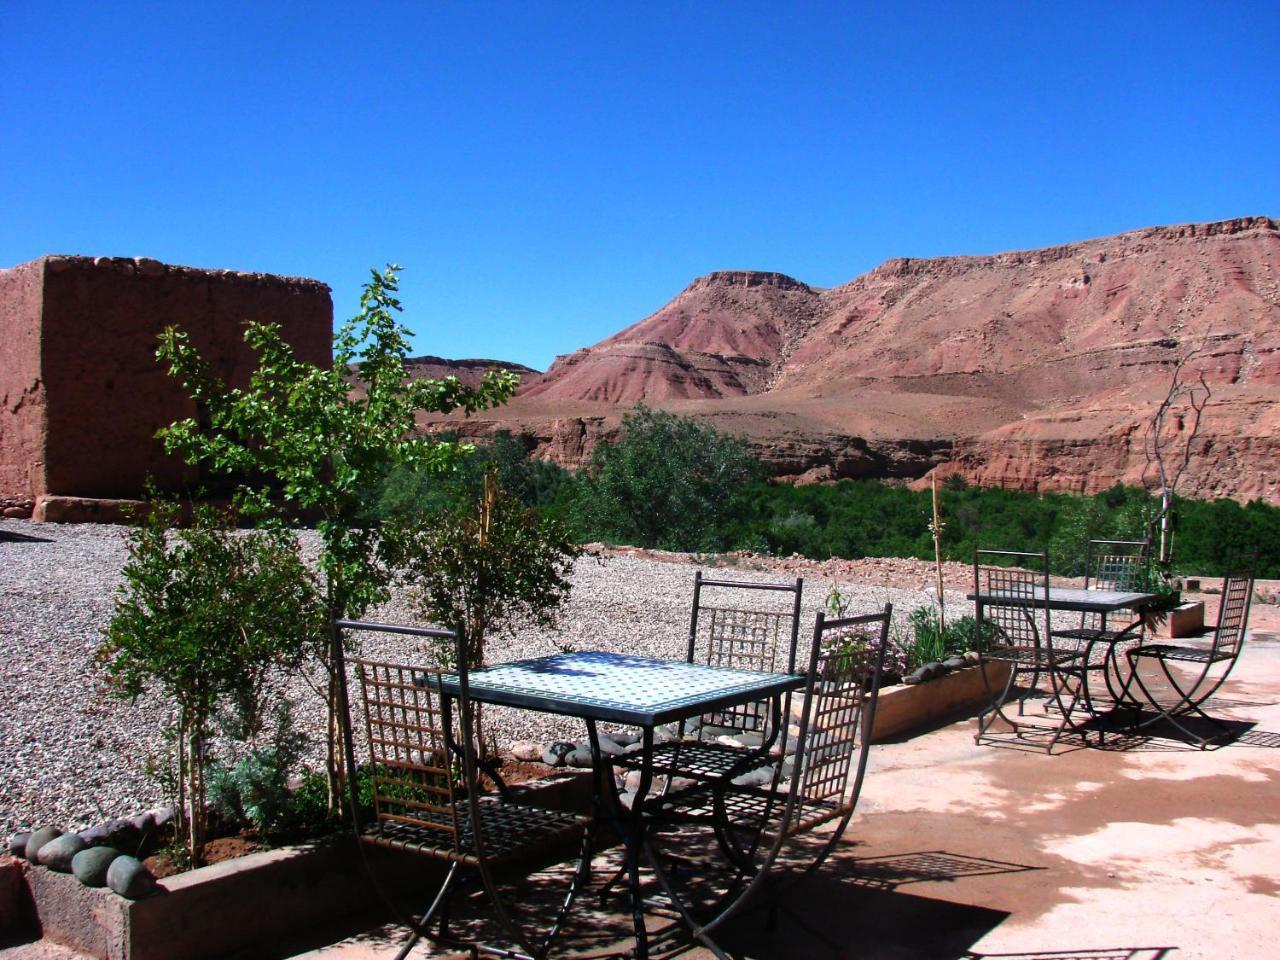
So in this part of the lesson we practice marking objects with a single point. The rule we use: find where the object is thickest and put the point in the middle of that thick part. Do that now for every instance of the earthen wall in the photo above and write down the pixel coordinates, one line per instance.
(22, 394)
(104, 394)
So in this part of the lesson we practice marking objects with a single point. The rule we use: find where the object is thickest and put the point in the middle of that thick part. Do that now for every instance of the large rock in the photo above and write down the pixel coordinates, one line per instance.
(130, 878)
(90, 866)
(38, 839)
(58, 853)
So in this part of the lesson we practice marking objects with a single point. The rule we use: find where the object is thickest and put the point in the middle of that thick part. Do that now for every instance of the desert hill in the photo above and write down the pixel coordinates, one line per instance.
(1035, 369)
(469, 372)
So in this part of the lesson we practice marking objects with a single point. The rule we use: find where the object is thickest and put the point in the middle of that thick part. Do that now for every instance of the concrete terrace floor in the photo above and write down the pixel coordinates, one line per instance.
(1148, 849)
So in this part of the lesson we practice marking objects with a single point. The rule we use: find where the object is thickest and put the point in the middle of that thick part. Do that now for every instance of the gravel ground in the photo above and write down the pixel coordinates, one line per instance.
(71, 756)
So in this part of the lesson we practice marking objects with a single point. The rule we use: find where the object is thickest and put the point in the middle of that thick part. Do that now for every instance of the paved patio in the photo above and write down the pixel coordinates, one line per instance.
(1150, 849)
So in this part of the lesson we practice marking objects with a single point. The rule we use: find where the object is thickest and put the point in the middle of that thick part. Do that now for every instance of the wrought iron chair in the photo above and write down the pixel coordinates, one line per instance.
(750, 638)
(1012, 627)
(1209, 665)
(819, 778)
(1123, 565)
(428, 797)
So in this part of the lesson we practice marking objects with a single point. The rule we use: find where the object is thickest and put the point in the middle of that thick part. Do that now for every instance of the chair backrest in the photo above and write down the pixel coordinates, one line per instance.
(842, 686)
(733, 625)
(1117, 565)
(412, 775)
(415, 743)
(1233, 613)
(1006, 583)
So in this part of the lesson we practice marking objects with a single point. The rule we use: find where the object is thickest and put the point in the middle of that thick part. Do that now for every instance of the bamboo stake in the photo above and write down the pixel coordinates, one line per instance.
(936, 528)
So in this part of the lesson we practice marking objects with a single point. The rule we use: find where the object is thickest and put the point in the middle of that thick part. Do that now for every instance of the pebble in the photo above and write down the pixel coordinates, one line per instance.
(555, 753)
(58, 853)
(70, 755)
(527, 750)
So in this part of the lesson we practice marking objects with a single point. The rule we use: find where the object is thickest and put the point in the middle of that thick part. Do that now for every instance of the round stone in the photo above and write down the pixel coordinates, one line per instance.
(96, 836)
(123, 835)
(527, 750)
(954, 663)
(90, 866)
(38, 839)
(163, 816)
(607, 746)
(581, 757)
(130, 878)
(57, 854)
(555, 753)
(18, 844)
(144, 823)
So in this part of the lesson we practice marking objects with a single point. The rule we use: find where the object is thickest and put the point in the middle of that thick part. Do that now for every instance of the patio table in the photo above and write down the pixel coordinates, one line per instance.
(1078, 600)
(617, 688)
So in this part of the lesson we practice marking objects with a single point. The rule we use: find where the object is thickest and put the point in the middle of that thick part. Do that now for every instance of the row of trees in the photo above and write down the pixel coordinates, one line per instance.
(674, 483)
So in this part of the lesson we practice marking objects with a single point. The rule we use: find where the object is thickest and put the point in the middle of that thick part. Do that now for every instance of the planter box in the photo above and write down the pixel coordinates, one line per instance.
(242, 907)
(903, 709)
(1186, 620)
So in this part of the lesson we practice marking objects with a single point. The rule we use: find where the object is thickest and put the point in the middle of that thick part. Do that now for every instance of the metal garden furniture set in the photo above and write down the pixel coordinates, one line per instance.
(1097, 670)
(796, 763)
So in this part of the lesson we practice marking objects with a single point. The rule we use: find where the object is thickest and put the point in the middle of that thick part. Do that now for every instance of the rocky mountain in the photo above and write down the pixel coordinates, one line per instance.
(1035, 369)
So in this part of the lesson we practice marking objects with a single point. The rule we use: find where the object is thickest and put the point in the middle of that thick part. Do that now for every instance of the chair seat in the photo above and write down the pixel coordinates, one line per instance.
(1173, 651)
(1092, 635)
(1032, 656)
(695, 759)
(746, 807)
(509, 831)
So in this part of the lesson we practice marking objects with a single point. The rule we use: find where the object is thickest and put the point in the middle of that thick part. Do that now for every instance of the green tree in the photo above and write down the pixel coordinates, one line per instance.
(669, 482)
(203, 617)
(299, 439)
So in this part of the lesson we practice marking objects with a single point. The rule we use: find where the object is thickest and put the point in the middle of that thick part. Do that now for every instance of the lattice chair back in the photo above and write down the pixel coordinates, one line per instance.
(1123, 565)
(412, 771)
(1010, 594)
(840, 694)
(750, 637)
(1233, 614)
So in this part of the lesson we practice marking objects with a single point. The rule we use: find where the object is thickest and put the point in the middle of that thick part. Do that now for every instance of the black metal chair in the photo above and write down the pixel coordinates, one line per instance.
(752, 637)
(428, 797)
(1209, 664)
(1122, 565)
(818, 779)
(1012, 627)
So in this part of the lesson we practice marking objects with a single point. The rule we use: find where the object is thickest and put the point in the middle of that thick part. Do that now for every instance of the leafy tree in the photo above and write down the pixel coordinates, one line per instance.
(489, 568)
(299, 439)
(203, 617)
(669, 482)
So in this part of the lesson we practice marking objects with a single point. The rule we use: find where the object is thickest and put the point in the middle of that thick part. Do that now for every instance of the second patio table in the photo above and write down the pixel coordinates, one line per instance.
(619, 688)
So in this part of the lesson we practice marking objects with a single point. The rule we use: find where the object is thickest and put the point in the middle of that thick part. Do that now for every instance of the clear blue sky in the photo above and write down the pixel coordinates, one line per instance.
(550, 172)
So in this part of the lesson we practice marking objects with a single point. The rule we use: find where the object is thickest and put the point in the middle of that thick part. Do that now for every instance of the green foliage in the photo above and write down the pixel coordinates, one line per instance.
(669, 482)
(203, 617)
(300, 439)
(408, 492)
(489, 568)
(251, 787)
(932, 641)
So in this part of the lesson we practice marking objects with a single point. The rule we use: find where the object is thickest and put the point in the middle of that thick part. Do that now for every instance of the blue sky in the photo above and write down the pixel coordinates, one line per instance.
(548, 173)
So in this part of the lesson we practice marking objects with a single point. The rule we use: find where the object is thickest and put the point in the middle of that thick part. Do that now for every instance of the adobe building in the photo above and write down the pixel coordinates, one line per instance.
(81, 392)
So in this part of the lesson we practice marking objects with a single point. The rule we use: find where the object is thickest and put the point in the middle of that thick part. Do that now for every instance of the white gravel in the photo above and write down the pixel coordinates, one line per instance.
(71, 756)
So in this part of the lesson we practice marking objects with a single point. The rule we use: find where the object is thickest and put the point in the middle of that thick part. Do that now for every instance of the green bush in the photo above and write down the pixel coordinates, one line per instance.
(670, 482)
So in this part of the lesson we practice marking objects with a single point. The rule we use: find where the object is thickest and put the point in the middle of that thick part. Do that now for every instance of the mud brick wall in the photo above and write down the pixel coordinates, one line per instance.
(81, 393)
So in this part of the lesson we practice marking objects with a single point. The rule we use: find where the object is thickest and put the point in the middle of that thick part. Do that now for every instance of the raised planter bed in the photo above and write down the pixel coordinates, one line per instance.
(239, 907)
(903, 708)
